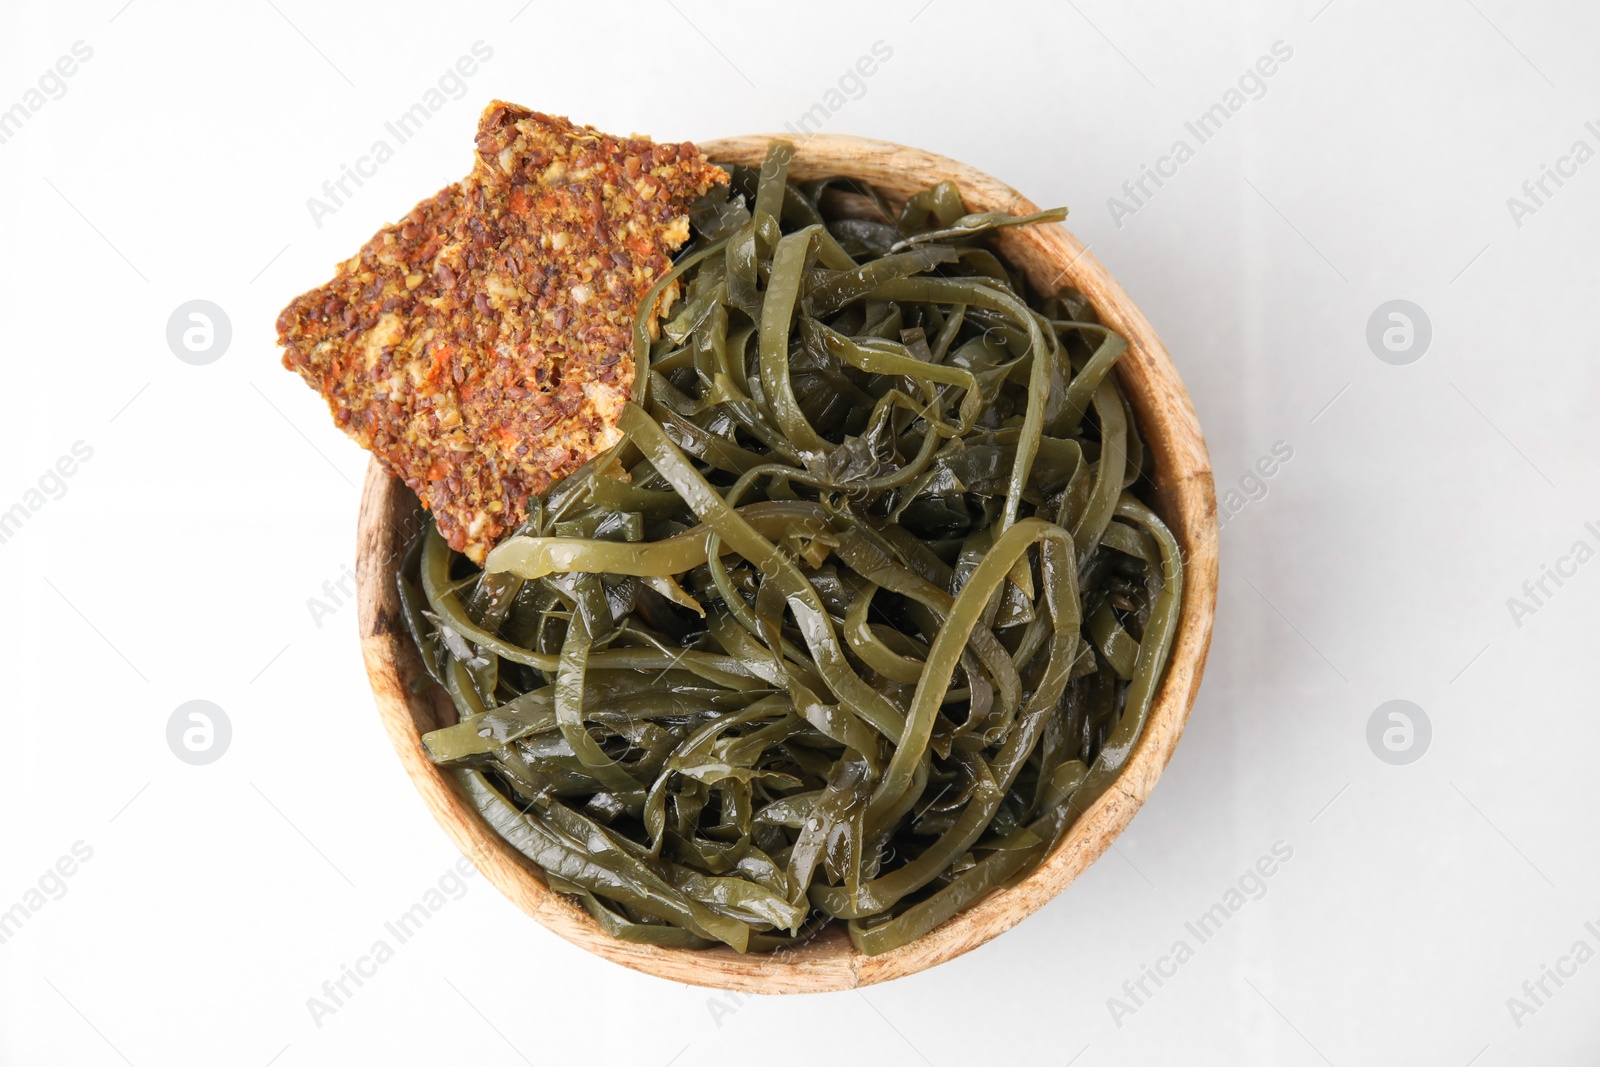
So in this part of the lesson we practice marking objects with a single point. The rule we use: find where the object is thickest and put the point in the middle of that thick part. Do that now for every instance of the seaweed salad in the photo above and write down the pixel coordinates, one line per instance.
(862, 612)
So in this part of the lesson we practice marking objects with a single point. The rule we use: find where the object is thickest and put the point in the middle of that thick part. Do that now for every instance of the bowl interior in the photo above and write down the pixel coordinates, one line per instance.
(1183, 495)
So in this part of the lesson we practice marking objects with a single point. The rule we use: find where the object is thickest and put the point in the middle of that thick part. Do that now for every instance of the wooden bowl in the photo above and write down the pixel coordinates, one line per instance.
(1184, 497)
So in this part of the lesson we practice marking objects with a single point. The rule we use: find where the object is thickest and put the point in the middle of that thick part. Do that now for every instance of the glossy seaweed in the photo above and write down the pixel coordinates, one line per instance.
(859, 616)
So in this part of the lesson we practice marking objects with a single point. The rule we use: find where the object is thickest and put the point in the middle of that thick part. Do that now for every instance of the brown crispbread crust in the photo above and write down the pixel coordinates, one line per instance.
(482, 347)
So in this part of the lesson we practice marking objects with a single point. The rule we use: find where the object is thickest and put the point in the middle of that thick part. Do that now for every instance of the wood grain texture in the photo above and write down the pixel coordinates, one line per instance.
(1184, 497)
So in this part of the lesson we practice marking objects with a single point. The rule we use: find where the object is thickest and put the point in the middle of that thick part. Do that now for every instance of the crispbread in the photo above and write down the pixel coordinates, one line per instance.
(482, 346)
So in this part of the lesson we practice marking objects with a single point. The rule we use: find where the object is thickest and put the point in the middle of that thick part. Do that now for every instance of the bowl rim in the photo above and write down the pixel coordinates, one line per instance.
(1184, 495)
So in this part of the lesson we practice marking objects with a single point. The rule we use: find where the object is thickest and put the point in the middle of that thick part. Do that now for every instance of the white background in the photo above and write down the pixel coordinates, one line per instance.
(179, 562)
